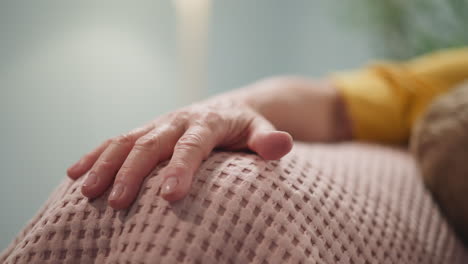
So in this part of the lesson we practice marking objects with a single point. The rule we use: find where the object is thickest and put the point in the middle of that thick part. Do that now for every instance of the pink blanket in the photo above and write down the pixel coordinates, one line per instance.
(348, 203)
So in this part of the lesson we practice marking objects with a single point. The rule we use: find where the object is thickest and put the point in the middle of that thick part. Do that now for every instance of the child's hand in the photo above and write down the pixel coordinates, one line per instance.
(188, 135)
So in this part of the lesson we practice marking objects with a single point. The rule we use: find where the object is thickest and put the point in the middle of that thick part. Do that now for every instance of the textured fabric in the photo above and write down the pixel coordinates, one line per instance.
(346, 203)
(385, 99)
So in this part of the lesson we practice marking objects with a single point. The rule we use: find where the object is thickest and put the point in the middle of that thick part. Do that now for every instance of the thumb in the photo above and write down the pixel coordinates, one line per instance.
(268, 142)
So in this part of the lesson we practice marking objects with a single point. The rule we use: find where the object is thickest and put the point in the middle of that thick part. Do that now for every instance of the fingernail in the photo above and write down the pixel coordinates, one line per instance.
(169, 185)
(90, 180)
(117, 191)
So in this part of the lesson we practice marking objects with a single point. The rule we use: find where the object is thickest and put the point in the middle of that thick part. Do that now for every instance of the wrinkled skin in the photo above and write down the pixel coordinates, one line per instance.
(244, 119)
(188, 135)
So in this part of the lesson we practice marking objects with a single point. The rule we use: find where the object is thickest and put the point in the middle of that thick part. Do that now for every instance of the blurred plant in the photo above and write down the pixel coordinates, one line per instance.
(405, 28)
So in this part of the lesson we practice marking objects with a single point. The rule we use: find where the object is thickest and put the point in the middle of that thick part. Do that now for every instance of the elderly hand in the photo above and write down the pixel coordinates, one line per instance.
(186, 136)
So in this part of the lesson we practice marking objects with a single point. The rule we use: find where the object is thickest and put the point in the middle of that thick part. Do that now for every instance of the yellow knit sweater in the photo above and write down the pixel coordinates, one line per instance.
(385, 99)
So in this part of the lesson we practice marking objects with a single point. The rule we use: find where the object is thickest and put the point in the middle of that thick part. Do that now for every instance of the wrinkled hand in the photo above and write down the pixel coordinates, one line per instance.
(186, 136)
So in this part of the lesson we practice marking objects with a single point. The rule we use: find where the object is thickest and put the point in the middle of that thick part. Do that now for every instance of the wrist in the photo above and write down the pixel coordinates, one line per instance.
(309, 110)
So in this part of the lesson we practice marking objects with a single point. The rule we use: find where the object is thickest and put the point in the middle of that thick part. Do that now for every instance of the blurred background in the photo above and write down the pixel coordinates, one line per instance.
(73, 73)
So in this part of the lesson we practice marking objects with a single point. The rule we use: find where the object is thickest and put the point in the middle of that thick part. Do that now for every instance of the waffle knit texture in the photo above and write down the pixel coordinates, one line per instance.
(344, 203)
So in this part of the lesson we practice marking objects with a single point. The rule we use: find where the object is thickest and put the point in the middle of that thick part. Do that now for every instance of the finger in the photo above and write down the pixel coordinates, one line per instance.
(195, 145)
(148, 150)
(269, 143)
(86, 162)
(104, 169)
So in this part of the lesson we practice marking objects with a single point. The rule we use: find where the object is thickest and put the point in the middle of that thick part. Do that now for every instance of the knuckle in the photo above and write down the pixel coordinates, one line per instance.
(190, 141)
(179, 165)
(171, 115)
(123, 139)
(105, 164)
(134, 132)
(149, 142)
(212, 120)
(180, 117)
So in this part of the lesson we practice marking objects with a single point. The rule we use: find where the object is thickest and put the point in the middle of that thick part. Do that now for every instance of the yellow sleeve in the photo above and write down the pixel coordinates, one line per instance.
(385, 99)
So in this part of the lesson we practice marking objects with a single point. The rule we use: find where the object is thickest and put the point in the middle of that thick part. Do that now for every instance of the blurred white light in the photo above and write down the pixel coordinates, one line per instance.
(192, 30)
